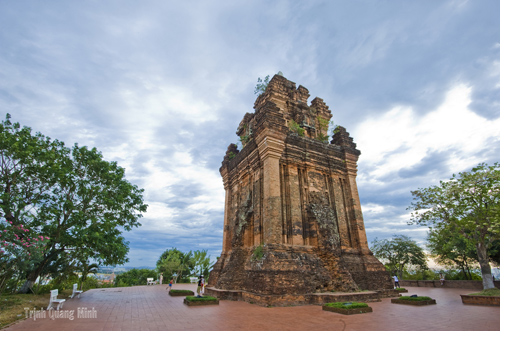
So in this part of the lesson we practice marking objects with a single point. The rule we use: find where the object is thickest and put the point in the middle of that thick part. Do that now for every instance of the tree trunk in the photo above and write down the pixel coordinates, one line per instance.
(33, 276)
(29, 283)
(484, 263)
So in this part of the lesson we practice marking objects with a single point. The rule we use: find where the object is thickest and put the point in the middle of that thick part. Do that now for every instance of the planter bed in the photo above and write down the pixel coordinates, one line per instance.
(401, 290)
(347, 308)
(174, 293)
(206, 300)
(421, 300)
(481, 300)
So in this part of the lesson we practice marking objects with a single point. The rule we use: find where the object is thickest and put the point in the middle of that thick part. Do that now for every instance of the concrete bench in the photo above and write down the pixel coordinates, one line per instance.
(193, 280)
(75, 291)
(54, 300)
(150, 281)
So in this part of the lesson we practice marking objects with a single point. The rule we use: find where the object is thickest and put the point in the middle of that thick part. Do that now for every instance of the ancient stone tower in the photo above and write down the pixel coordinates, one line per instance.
(293, 224)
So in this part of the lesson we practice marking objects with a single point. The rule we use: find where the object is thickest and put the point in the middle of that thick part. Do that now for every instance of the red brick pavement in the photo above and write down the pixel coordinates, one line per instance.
(150, 308)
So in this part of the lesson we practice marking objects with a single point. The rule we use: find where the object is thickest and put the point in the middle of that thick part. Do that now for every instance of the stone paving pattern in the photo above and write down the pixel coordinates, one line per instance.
(150, 308)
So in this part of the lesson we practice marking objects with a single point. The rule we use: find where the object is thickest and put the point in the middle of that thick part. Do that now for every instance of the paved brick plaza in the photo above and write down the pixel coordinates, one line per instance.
(150, 308)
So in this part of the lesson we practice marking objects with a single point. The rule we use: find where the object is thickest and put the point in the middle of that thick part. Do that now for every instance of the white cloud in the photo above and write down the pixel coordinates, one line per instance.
(400, 138)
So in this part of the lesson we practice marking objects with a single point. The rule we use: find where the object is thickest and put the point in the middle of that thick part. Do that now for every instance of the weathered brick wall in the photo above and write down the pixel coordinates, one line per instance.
(458, 284)
(294, 197)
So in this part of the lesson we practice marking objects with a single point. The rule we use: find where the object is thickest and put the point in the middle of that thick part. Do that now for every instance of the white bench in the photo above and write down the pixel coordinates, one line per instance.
(150, 281)
(75, 291)
(53, 299)
(193, 280)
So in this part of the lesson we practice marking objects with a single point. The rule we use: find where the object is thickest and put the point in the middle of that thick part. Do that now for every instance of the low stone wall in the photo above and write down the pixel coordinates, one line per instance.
(481, 300)
(301, 299)
(457, 284)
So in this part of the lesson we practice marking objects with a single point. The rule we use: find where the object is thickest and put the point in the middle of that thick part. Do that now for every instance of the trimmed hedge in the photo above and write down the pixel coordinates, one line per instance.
(346, 305)
(200, 299)
(418, 298)
(181, 293)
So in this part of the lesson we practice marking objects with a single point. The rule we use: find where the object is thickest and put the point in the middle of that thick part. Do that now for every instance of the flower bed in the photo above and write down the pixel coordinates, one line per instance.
(414, 300)
(347, 308)
(205, 300)
(175, 293)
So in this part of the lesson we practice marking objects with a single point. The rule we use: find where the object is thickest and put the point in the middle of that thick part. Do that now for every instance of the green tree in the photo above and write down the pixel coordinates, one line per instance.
(176, 264)
(201, 263)
(74, 197)
(467, 206)
(261, 85)
(452, 251)
(85, 269)
(322, 128)
(135, 276)
(398, 253)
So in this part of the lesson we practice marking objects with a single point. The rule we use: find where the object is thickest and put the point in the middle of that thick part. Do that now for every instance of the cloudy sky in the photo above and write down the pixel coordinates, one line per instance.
(161, 86)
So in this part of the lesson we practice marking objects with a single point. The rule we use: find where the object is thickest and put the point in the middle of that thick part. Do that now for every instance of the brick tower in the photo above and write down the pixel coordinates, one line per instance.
(293, 225)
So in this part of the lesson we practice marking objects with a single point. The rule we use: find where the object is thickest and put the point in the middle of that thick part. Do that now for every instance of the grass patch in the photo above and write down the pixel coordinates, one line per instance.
(12, 307)
(181, 291)
(418, 298)
(487, 292)
(199, 299)
(346, 305)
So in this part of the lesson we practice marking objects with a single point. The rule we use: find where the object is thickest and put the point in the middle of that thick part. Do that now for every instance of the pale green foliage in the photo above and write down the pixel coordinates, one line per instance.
(399, 253)
(296, 128)
(323, 126)
(174, 263)
(201, 263)
(466, 206)
(261, 85)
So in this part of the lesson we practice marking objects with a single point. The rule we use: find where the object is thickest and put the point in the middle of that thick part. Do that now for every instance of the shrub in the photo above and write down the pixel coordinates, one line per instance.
(204, 298)
(418, 298)
(347, 305)
(258, 253)
(135, 277)
(296, 128)
(181, 291)
(487, 292)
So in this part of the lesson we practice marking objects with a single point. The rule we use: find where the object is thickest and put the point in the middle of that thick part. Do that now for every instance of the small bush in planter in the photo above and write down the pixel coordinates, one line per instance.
(204, 300)
(347, 308)
(487, 292)
(414, 300)
(199, 299)
(417, 298)
(346, 305)
(181, 293)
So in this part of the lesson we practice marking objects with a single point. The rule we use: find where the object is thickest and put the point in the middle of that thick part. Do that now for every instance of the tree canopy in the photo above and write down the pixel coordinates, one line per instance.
(466, 207)
(81, 202)
(176, 264)
(398, 253)
(180, 265)
(261, 85)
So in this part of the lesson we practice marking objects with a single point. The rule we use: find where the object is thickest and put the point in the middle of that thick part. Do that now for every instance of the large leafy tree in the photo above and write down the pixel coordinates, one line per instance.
(399, 253)
(452, 251)
(201, 263)
(134, 276)
(466, 206)
(174, 263)
(81, 202)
